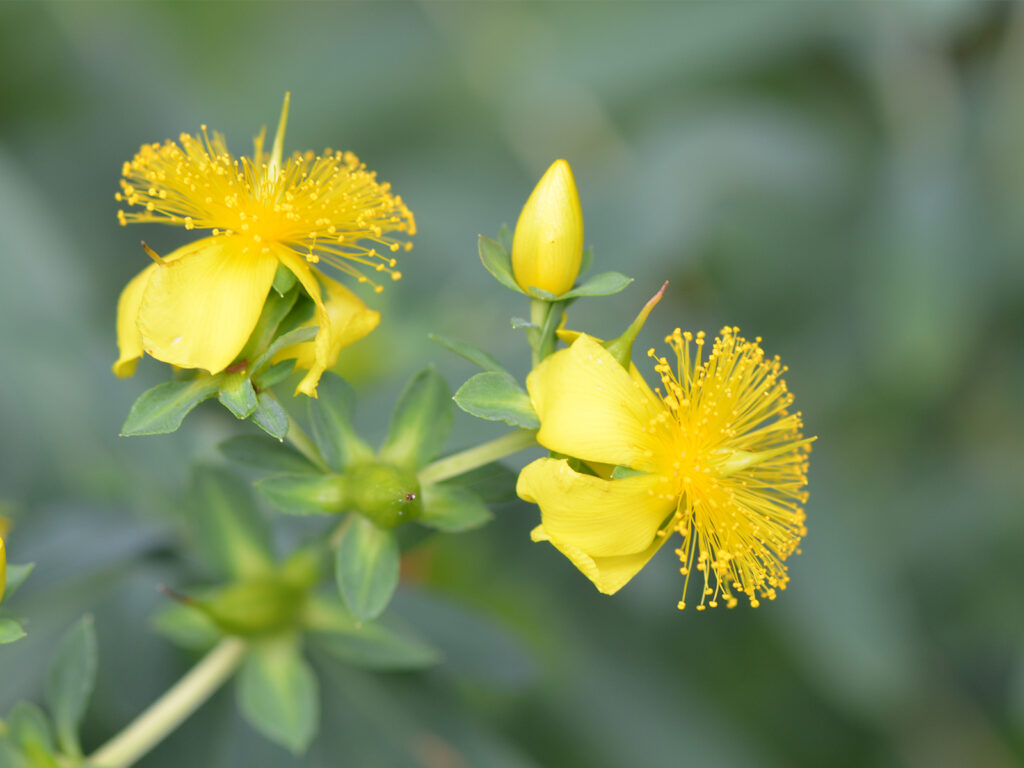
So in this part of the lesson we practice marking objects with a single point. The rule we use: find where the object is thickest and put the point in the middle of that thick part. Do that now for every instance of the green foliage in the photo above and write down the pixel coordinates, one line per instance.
(305, 494)
(16, 575)
(263, 455)
(161, 410)
(384, 494)
(262, 605)
(278, 693)
(472, 353)
(453, 509)
(604, 284)
(330, 415)
(186, 626)
(421, 422)
(10, 630)
(366, 567)
(70, 683)
(238, 395)
(30, 732)
(497, 397)
(270, 416)
(496, 260)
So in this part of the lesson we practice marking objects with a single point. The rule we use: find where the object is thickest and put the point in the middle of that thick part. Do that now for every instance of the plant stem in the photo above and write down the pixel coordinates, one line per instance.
(297, 437)
(462, 462)
(538, 316)
(173, 708)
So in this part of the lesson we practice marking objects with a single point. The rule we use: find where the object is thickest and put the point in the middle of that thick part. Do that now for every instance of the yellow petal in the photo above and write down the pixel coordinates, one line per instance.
(129, 340)
(600, 517)
(609, 574)
(547, 248)
(350, 320)
(201, 305)
(591, 408)
(322, 341)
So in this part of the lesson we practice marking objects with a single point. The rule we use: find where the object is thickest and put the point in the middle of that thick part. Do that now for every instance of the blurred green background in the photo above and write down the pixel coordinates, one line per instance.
(844, 179)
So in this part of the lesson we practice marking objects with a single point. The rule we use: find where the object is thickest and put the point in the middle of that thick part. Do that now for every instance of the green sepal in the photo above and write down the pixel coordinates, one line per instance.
(285, 340)
(453, 509)
(30, 732)
(237, 395)
(255, 607)
(386, 494)
(586, 260)
(604, 284)
(10, 630)
(497, 261)
(270, 416)
(305, 494)
(70, 683)
(160, 410)
(421, 422)
(284, 280)
(263, 455)
(374, 645)
(366, 567)
(472, 353)
(330, 416)
(186, 626)
(228, 530)
(497, 397)
(16, 575)
(278, 693)
(621, 348)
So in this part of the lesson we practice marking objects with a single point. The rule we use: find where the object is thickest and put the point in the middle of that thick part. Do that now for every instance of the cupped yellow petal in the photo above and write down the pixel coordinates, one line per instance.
(201, 304)
(350, 320)
(591, 408)
(601, 517)
(129, 340)
(321, 343)
(547, 248)
(609, 574)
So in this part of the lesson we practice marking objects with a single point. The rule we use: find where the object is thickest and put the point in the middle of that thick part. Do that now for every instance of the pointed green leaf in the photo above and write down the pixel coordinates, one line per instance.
(497, 261)
(70, 683)
(273, 374)
(161, 410)
(228, 530)
(275, 309)
(604, 284)
(472, 353)
(16, 575)
(29, 730)
(10, 630)
(452, 509)
(265, 455)
(284, 280)
(366, 567)
(278, 694)
(304, 494)
(270, 416)
(421, 422)
(497, 397)
(330, 415)
(297, 336)
(367, 644)
(237, 395)
(186, 627)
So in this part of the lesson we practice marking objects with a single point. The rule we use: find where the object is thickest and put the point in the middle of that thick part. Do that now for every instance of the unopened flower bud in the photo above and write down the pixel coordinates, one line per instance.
(385, 494)
(548, 245)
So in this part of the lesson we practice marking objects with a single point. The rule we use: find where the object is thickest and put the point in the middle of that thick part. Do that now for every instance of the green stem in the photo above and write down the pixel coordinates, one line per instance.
(538, 316)
(462, 462)
(173, 708)
(297, 437)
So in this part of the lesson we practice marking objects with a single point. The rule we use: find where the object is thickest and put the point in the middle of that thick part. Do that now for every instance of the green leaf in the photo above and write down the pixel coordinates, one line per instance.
(604, 284)
(186, 627)
(297, 336)
(497, 261)
(366, 567)
(230, 533)
(70, 683)
(497, 397)
(452, 509)
(472, 353)
(237, 395)
(278, 695)
(421, 422)
(16, 575)
(270, 416)
(540, 293)
(29, 730)
(161, 410)
(330, 415)
(493, 483)
(275, 374)
(620, 472)
(264, 455)
(587, 261)
(10, 630)
(304, 494)
(367, 644)
(519, 322)
(284, 280)
(275, 309)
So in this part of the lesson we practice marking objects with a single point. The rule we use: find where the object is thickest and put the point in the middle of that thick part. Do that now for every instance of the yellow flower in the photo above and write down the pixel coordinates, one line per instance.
(715, 456)
(547, 248)
(196, 307)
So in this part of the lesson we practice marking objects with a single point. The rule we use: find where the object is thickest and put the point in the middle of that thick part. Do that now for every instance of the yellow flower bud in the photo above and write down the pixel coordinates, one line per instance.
(548, 245)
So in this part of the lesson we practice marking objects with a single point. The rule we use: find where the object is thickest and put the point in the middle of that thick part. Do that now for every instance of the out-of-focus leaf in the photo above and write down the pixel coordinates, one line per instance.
(162, 409)
(270, 416)
(451, 508)
(70, 683)
(30, 731)
(497, 397)
(237, 395)
(265, 455)
(10, 630)
(330, 415)
(421, 422)
(278, 694)
(497, 261)
(228, 529)
(366, 567)
(493, 483)
(304, 494)
(16, 575)
(469, 351)
(186, 627)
